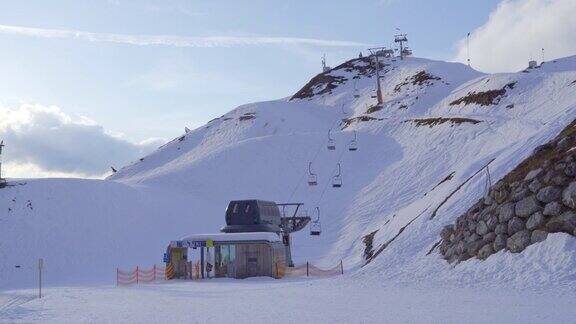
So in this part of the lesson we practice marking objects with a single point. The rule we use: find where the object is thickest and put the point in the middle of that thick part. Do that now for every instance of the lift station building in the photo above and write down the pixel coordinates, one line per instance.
(255, 242)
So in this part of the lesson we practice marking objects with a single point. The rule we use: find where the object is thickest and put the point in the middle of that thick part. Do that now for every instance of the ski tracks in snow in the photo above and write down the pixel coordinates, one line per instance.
(11, 306)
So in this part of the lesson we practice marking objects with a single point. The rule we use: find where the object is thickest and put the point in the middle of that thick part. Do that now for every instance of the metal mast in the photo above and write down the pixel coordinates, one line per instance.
(401, 38)
(376, 61)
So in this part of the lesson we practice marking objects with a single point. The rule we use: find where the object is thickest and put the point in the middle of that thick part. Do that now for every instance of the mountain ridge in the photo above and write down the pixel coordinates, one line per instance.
(436, 122)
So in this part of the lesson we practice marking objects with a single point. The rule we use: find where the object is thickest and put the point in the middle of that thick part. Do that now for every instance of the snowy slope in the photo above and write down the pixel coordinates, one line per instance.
(86, 228)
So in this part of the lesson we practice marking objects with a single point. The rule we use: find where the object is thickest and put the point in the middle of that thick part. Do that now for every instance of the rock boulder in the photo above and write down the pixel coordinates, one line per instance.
(527, 206)
(535, 221)
(485, 251)
(519, 241)
(569, 195)
(516, 225)
(500, 242)
(552, 209)
(446, 232)
(506, 212)
(566, 222)
(538, 236)
(481, 228)
(549, 194)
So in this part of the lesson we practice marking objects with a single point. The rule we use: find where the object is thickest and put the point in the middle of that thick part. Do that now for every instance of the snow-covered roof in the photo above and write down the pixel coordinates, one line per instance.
(229, 237)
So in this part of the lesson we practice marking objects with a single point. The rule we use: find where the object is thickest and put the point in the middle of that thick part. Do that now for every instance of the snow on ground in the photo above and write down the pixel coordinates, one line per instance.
(259, 300)
(84, 229)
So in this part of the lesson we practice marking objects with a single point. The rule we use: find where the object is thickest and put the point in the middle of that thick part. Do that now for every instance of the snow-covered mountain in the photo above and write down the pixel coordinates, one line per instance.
(440, 123)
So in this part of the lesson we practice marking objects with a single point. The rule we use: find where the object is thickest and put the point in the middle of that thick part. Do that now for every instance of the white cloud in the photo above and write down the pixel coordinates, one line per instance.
(177, 41)
(30, 170)
(44, 141)
(517, 31)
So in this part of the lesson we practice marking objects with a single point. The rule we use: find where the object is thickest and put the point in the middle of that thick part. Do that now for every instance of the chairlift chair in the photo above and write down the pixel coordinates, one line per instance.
(315, 226)
(353, 144)
(331, 142)
(337, 180)
(312, 177)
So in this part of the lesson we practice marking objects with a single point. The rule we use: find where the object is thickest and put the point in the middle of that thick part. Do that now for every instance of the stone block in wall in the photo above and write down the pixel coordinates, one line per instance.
(549, 194)
(538, 236)
(569, 195)
(552, 209)
(535, 221)
(565, 222)
(519, 241)
(515, 225)
(527, 206)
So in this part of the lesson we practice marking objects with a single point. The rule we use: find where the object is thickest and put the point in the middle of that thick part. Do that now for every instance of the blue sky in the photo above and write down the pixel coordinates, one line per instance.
(145, 69)
(153, 91)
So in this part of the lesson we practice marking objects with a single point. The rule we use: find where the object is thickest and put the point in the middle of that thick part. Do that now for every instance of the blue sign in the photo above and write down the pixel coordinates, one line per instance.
(194, 244)
(190, 244)
(166, 260)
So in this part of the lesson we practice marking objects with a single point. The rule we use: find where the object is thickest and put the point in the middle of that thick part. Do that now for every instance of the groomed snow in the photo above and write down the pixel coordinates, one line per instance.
(263, 300)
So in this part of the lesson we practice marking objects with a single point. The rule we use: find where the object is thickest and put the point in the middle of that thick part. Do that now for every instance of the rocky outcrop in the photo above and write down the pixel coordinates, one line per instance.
(535, 199)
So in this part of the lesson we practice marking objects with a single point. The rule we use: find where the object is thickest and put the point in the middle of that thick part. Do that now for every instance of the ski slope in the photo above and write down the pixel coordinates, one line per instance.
(84, 229)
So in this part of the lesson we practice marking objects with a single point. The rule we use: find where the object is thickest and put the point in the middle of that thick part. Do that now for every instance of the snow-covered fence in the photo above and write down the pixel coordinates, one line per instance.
(310, 270)
(139, 275)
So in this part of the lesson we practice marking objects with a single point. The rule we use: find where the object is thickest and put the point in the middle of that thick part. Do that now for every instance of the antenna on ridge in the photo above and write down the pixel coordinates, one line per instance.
(468, 48)
(325, 68)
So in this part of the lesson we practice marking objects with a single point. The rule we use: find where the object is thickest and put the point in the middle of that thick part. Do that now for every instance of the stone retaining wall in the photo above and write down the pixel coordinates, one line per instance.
(537, 198)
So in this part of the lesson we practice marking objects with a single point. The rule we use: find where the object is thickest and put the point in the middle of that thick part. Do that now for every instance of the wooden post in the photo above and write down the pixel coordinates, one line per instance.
(341, 267)
(277, 274)
(40, 266)
(137, 274)
(116, 277)
(307, 271)
(154, 270)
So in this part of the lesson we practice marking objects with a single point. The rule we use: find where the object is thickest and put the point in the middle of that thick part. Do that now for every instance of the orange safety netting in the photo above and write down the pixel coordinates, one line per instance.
(140, 275)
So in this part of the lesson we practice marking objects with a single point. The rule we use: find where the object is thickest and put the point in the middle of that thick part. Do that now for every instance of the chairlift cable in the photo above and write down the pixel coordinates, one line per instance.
(305, 173)
(329, 183)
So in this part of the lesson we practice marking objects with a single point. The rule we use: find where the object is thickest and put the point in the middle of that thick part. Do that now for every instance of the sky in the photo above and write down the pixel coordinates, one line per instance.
(87, 84)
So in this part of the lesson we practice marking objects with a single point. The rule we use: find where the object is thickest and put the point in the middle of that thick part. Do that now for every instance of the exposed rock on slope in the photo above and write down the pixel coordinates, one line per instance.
(321, 84)
(484, 98)
(325, 82)
(419, 79)
(538, 197)
(431, 122)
